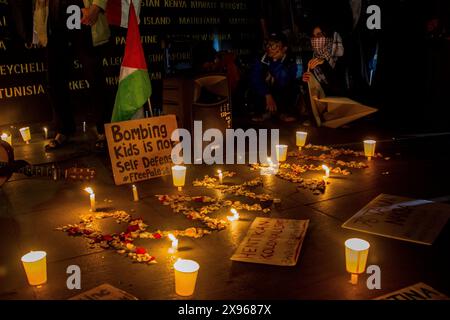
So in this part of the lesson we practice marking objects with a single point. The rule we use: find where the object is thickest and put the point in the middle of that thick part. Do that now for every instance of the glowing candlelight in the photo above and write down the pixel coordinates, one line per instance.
(135, 193)
(356, 252)
(281, 150)
(174, 240)
(91, 197)
(45, 133)
(7, 138)
(234, 217)
(327, 172)
(84, 126)
(301, 139)
(220, 176)
(26, 134)
(35, 265)
(369, 148)
(179, 176)
(186, 272)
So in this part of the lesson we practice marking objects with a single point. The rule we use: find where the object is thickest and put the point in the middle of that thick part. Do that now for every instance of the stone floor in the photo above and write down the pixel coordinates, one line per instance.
(31, 208)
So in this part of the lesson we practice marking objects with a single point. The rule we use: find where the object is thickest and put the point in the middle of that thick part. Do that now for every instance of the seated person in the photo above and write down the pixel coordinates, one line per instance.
(327, 49)
(273, 81)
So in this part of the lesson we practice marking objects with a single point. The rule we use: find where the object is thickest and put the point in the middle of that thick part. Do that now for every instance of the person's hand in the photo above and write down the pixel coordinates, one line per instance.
(314, 63)
(271, 105)
(90, 15)
(306, 76)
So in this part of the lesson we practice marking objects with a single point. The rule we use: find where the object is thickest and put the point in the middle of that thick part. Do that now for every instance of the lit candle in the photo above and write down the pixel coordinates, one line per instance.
(220, 176)
(84, 126)
(135, 193)
(26, 134)
(179, 176)
(35, 265)
(91, 197)
(45, 133)
(7, 138)
(327, 172)
(186, 272)
(356, 252)
(174, 240)
(369, 148)
(301, 139)
(281, 150)
(234, 217)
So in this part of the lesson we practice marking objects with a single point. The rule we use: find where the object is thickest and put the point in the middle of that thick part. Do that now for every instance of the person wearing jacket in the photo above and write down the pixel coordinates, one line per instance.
(88, 45)
(273, 81)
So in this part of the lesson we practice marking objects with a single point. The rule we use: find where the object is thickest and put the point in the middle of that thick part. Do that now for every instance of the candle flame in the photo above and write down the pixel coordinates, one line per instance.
(327, 170)
(219, 171)
(235, 215)
(89, 190)
(171, 237)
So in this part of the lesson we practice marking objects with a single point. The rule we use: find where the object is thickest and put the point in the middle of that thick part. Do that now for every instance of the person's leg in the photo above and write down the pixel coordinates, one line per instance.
(91, 59)
(58, 55)
(286, 99)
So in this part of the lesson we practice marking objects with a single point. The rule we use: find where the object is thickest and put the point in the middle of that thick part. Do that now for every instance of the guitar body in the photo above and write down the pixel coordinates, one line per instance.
(6, 155)
(8, 165)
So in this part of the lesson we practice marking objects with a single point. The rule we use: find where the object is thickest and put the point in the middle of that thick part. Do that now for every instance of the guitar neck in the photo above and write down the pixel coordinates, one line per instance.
(41, 171)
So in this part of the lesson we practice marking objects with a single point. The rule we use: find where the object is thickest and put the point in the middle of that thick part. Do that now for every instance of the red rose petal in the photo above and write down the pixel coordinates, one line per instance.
(157, 236)
(141, 251)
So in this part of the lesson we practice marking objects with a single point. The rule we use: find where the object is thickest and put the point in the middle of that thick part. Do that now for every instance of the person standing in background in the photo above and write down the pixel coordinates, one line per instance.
(88, 44)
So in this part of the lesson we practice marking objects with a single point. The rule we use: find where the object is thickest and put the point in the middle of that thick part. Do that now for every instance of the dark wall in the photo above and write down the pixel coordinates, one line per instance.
(182, 24)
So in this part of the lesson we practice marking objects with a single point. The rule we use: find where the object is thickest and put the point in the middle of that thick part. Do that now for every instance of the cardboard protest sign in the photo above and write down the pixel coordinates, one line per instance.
(419, 291)
(104, 292)
(140, 149)
(334, 112)
(401, 218)
(272, 241)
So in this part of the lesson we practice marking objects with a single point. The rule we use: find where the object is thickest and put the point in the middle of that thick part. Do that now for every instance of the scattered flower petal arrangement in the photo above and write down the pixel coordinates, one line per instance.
(292, 171)
(123, 242)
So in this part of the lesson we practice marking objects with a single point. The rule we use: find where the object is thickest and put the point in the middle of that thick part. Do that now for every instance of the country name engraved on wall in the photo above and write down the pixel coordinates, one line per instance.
(22, 68)
(21, 91)
(146, 39)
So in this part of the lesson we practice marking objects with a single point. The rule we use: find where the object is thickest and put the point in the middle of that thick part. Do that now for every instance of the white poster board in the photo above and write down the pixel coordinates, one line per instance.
(418, 221)
(419, 291)
(272, 241)
(104, 292)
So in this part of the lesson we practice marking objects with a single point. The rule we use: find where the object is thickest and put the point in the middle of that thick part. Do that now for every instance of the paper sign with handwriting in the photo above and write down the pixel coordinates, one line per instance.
(272, 241)
(419, 291)
(104, 292)
(418, 221)
(140, 149)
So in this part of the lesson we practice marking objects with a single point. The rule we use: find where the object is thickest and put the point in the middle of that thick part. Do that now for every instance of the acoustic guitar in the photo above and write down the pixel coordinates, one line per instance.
(8, 166)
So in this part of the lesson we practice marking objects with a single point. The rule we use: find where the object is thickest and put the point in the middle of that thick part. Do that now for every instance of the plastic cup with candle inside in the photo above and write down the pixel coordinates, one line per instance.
(281, 151)
(179, 176)
(91, 198)
(369, 148)
(35, 265)
(300, 139)
(26, 134)
(186, 272)
(356, 252)
(7, 138)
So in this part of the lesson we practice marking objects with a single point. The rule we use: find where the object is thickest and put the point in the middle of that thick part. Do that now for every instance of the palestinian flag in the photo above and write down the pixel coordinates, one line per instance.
(134, 83)
(117, 11)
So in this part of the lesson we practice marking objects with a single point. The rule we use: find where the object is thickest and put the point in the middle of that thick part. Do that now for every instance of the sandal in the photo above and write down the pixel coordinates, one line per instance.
(59, 141)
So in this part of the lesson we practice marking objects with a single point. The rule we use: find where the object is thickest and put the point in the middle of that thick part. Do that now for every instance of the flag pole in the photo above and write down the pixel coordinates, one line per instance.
(150, 107)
